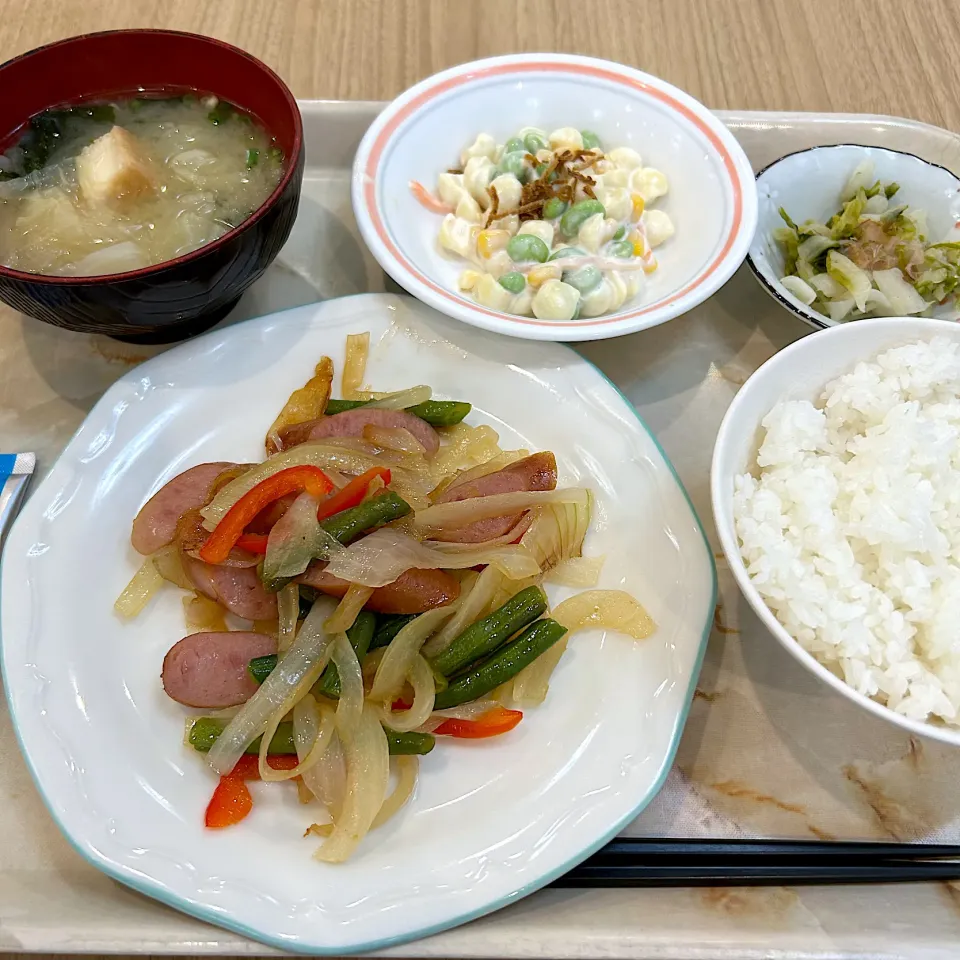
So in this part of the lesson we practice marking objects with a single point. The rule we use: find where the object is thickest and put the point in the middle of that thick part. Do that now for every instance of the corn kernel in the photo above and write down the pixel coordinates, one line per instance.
(650, 265)
(638, 205)
(540, 275)
(490, 241)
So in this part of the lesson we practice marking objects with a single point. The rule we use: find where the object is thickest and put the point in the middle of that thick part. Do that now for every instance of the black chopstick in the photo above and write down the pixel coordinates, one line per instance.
(736, 874)
(637, 849)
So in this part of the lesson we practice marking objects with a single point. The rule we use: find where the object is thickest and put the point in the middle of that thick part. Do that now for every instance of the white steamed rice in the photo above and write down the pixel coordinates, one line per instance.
(850, 527)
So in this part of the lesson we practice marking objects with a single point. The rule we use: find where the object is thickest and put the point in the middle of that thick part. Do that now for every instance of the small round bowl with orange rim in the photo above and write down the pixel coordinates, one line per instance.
(712, 198)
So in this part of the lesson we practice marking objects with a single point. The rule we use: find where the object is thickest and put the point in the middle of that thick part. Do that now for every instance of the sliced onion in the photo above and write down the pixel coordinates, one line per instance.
(442, 516)
(137, 593)
(403, 398)
(424, 692)
(202, 614)
(321, 454)
(355, 364)
(398, 439)
(531, 684)
(466, 711)
(318, 747)
(349, 607)
(350, 704)
(170, 566)
(593, 609)
(296, 539)
(465, 446)
(288, 611)
(298, 669)
(382, 556)
(557, 533)
(370, 665)
(407, 769)
(368, 776)
(576, 572)
(305, 403)
(327, 778)
(474, 600)
(607, 610)
(398, 657)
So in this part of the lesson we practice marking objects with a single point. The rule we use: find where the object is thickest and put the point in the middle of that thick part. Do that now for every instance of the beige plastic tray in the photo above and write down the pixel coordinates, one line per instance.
(767, 750)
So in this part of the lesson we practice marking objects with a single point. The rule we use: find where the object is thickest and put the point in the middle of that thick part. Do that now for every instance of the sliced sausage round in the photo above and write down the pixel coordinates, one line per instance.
(350, 423)
(536, 472)
(238, 588)
(414, 591)
(210, 670)
(156, 523)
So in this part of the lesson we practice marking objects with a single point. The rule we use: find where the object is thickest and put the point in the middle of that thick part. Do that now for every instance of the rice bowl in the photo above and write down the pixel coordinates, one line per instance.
(836, 502)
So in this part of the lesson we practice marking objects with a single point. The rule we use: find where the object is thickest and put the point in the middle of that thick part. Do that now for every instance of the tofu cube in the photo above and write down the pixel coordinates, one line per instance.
(114, 168)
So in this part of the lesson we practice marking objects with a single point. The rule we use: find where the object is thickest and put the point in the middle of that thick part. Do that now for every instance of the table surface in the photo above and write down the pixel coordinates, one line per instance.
(858, 56)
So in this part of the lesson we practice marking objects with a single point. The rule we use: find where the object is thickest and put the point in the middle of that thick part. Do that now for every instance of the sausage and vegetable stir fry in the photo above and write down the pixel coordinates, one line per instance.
(372, 587)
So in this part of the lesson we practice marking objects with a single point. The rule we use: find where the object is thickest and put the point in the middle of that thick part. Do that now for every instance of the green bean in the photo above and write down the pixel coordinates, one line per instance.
(409, 744)
(622, 249)
(525, 247)
(553, 208)
(578, 214)
(513, 145)
(506, 663)
(348, 524)
(562, 252)
(583, 279)
(513, 282)
(891, 189)
(441, 413)
(221, 113)
(533, 142)
(514, 164)
(388, 626)
(261, 667)
(359, 635)
(204, 733)
(483, 637)
(590, 140)
(253, 158)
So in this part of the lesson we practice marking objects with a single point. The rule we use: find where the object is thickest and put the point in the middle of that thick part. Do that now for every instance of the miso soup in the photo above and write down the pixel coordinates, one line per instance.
(111, 187)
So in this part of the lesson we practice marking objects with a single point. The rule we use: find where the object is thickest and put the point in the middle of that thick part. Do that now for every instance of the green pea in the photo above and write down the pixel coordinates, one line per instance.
(513, 282)
(575, 217)
(561, 252)
(621, 232)
(534, 142)
(513, 145)
(590, 140)
(622, 248)
(513, 163)
(583, 279)
(525, 246)
(553, 208)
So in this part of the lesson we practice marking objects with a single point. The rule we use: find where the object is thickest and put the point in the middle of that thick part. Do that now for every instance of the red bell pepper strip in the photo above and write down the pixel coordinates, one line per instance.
(490, 724)
(231, 801)
(353, 493)
(253, 542)
(229, 530)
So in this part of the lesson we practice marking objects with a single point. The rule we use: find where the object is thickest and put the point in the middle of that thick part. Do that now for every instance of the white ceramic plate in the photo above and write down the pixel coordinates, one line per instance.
(807, 185)
(491, 821)
(712, 199)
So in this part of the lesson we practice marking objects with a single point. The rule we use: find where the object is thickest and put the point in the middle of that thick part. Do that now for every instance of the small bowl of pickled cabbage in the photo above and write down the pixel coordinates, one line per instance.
(554, 197)
(147, 178)
(846, 232)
